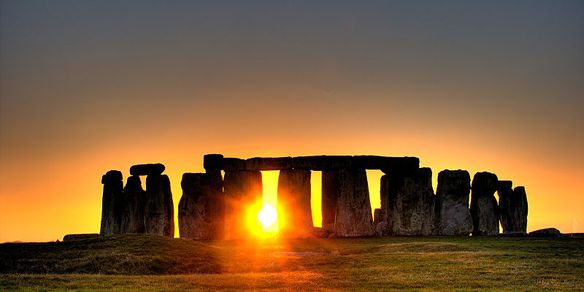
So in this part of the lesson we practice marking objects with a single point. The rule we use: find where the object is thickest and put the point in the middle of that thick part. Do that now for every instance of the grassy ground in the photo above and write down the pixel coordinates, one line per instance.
(156, 263)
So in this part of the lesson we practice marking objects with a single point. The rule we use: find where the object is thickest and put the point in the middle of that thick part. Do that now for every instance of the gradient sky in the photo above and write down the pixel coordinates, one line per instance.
(88, 86)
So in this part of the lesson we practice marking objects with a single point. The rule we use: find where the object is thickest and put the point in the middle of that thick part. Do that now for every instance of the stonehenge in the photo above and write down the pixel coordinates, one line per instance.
(222, 203)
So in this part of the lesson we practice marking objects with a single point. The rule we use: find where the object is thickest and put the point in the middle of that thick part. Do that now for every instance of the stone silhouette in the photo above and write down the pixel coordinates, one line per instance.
(408, 202)
(452, 213)
(132, 209)
(194, 215)
(483, 205)
(512, 208)
(353, 217)
(243, 189)
(158, 206)
(294, 197)
(330, 195)
(217, 207)
(147, 169)
(110, 209)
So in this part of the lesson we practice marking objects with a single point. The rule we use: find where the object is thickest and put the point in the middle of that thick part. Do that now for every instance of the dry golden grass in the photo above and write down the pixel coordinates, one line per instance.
(141, 262)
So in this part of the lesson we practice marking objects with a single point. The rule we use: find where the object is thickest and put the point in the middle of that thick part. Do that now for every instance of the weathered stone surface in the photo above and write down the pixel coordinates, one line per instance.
(330, 196)
(158, 206)
(242, 190)
(319, 232)
(194, 216)
(81, 236)
(213, 161)
(452, 213)
(132, 209)
(294, 198)
(110, 206)
(408, 201)
(546, 232)
(483, 205)
(377, 215)
(353, 206)
(147, 169)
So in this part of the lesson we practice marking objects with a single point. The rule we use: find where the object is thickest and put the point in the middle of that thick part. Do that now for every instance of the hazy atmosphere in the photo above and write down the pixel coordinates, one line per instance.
(89, 86)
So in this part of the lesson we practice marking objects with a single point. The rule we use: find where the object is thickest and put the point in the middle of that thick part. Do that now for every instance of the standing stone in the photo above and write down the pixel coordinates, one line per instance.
(452, 213)
(519, 207)
(216, 198)
(194, 216)
(505, 193)
(294, 198)
(353, 206)
(483, 205)
(330, 195)
(112, 192)
(132, 210)
(409, 202)
(242, 189)
(158, 207)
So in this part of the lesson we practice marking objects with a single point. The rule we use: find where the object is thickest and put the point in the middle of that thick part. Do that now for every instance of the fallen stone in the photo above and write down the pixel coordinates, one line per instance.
(147, 169)
(452, 213)
(546, 232)
(81, 236)
(483, 205)
(513, 234)
(132, 209)
(408, 201)
(294, 197)
(110, 206)
(158, 206)
(194, 216)
(243, 189)
(353, 206)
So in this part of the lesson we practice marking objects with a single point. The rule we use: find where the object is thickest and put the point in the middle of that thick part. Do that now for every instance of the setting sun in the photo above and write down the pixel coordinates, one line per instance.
(267, 216)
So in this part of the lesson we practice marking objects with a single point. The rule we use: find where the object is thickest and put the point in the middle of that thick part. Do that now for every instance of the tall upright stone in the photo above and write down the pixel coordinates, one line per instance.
(451, 212)
(330, 195)
(242, 190)
(158, 206)
(294, 199)
(213, 164)
(408, 200)
(353, 217)
(483, 205)
(512, 208)
(132, 210)
(110, 208)
(195, 219)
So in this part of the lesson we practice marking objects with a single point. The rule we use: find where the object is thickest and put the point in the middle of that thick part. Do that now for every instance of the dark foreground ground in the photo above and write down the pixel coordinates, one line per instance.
(141, 262)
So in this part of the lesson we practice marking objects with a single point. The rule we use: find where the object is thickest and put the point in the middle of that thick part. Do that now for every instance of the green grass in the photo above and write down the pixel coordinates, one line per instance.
(144, 262)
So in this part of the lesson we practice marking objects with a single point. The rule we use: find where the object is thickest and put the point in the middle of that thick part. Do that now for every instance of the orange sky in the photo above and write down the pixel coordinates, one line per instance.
(89, 87)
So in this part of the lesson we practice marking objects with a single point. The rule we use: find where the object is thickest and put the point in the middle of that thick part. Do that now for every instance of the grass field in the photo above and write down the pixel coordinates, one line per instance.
(131, 262)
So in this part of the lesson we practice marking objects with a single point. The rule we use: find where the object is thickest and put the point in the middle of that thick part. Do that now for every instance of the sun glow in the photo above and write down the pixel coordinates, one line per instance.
(267, 216)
